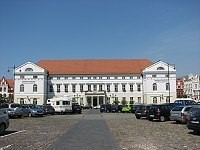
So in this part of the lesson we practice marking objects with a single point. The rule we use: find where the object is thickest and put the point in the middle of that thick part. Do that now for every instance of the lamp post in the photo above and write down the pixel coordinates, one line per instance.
(13, 68)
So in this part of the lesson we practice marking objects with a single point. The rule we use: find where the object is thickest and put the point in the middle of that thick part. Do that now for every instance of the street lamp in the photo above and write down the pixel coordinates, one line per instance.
(12, 68)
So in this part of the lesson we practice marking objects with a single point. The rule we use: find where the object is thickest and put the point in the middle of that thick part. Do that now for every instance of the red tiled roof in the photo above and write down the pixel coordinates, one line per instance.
(95, 66)
(8, 81)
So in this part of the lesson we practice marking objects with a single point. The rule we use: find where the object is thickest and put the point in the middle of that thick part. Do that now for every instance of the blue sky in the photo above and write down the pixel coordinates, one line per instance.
(168, 30)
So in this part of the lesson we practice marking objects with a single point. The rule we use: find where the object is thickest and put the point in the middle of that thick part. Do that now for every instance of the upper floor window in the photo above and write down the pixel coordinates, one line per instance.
(138, 87)
(95, 87)
(123, 77)
(94, 77)
(154, 87)
(81, 87)
(21, 77)
(108, 77)
(154, 75)
(108, 87)
(73, 88)
(34, 88)
(89, 87)
(116, 77)
(116, 87)
(100, 87)
(124, 87)
(0, 89)
(50, 88)
(131, 87)
(58, 88)
(58, 78)
(89, 77)
(4, 89)
(73, 78)
(66, 88)
(29, 69)
(21, 88)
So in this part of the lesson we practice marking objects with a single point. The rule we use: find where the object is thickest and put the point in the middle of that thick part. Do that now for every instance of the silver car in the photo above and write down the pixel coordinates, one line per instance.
(4, 121)
(13, 109)
(179, 114)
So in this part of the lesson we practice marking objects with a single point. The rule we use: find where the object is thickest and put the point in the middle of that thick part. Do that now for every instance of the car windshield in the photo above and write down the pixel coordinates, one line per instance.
(15, 105)
(33, 106)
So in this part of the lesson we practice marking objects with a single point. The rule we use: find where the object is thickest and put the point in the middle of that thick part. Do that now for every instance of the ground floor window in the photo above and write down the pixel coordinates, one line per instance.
(155, 100)
(35, 101)
(21, 101)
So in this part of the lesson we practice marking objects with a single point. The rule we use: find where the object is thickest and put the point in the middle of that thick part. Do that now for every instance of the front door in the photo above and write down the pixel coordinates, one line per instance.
(94, 101)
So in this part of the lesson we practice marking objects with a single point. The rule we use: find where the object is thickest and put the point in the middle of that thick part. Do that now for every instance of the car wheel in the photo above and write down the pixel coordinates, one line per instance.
(2, 129)
(162, 118)
(137, 117)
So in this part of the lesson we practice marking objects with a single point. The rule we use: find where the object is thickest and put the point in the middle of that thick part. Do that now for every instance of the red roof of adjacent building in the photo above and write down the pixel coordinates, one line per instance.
(95, 66)
(10, 82)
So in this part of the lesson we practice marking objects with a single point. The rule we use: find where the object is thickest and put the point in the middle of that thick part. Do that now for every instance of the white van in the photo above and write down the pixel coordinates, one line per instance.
(61, 104)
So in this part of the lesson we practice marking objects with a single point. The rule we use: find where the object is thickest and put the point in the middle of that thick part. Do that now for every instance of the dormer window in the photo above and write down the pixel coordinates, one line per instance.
(29, 70)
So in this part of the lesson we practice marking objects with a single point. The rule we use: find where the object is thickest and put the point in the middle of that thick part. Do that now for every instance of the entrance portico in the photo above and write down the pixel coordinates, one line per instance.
(95, 99)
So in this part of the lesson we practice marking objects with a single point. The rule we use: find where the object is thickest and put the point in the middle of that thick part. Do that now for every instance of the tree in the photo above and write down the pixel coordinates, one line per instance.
(123, 102)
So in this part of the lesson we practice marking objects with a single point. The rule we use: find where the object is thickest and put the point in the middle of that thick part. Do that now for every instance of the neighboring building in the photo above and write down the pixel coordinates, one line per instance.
(6, 90)
(192, 86)
(179, 88)
(96, 81)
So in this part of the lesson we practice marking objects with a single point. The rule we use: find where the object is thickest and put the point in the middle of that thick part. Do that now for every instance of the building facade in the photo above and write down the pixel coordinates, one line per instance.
(6, 90)
(192, 86)
(179, 88)
(96, 81)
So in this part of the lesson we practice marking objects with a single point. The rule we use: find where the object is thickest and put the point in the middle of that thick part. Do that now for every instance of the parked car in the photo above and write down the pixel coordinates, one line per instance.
(105, 108)
(134, 107)
(142, 111)
(119, 107)
(48, 109)
(127, 108)
(87, 107)
(179, 113)
(4, 121)
(97, 107)
(13, 109)
(76, 108)
(114, 108)
(184, 102)
(34, 110)
(194, 119)
(159, 111)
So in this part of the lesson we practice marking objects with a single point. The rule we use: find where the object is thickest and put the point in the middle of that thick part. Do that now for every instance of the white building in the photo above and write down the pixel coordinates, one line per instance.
(96, 81)
(192, 86)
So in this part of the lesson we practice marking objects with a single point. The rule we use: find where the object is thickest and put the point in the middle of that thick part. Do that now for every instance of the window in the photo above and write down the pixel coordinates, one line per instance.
(4, 89)
(138, 87)
(131, 77)
(108, 87)
(123, 77)
(81, 87)
(50, 88)
(116, 87)
(89, 77)
(94, 77)
(100, 87)
(28, 69)
(35, 101)
(58, 78)
(21, 77)
(58, 88)
(167, 99)
(73, 78)
(167, 86)
(100, 77)
(81, 78)
(155, 100)
(66, 88)
(123, 98)
(108, 77)
(160, 68)
(124, 87)
(35, 77)
(57, 102)
(131, 87)
(131, 100)
(154, 87)
(95, 87)
(89, 87)
(116, 77)
(66, 78)
(35, 88)
(66, 102)
(21, 101)
(0, 89)
(73, 88)
(21, 88)
(139, 100)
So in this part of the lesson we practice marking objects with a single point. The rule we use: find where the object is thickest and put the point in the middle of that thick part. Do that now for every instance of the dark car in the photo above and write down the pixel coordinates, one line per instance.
(142, 111)
(193, 122)
(105, 108)
(114, 108)
(48, 109)
(76, 108)
(159, 111)
(134, 107)
(86, 107)
(119, 107)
